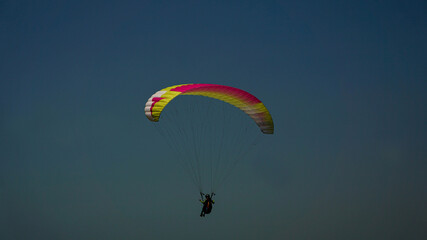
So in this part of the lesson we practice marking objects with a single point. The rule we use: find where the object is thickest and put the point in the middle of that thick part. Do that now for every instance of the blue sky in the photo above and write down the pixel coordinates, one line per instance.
(345, 83)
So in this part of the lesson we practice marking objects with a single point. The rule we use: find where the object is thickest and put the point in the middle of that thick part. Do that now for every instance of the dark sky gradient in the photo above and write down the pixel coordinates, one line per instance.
(345, 82)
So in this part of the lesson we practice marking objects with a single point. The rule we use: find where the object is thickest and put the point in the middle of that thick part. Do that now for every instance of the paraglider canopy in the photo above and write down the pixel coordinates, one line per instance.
(234, 96)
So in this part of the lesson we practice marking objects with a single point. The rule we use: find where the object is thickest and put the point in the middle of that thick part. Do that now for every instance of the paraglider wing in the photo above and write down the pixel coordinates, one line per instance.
(245, 101)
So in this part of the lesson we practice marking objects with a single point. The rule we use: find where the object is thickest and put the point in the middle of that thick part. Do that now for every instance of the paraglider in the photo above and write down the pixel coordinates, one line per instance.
(208, 137)
(207, 204)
